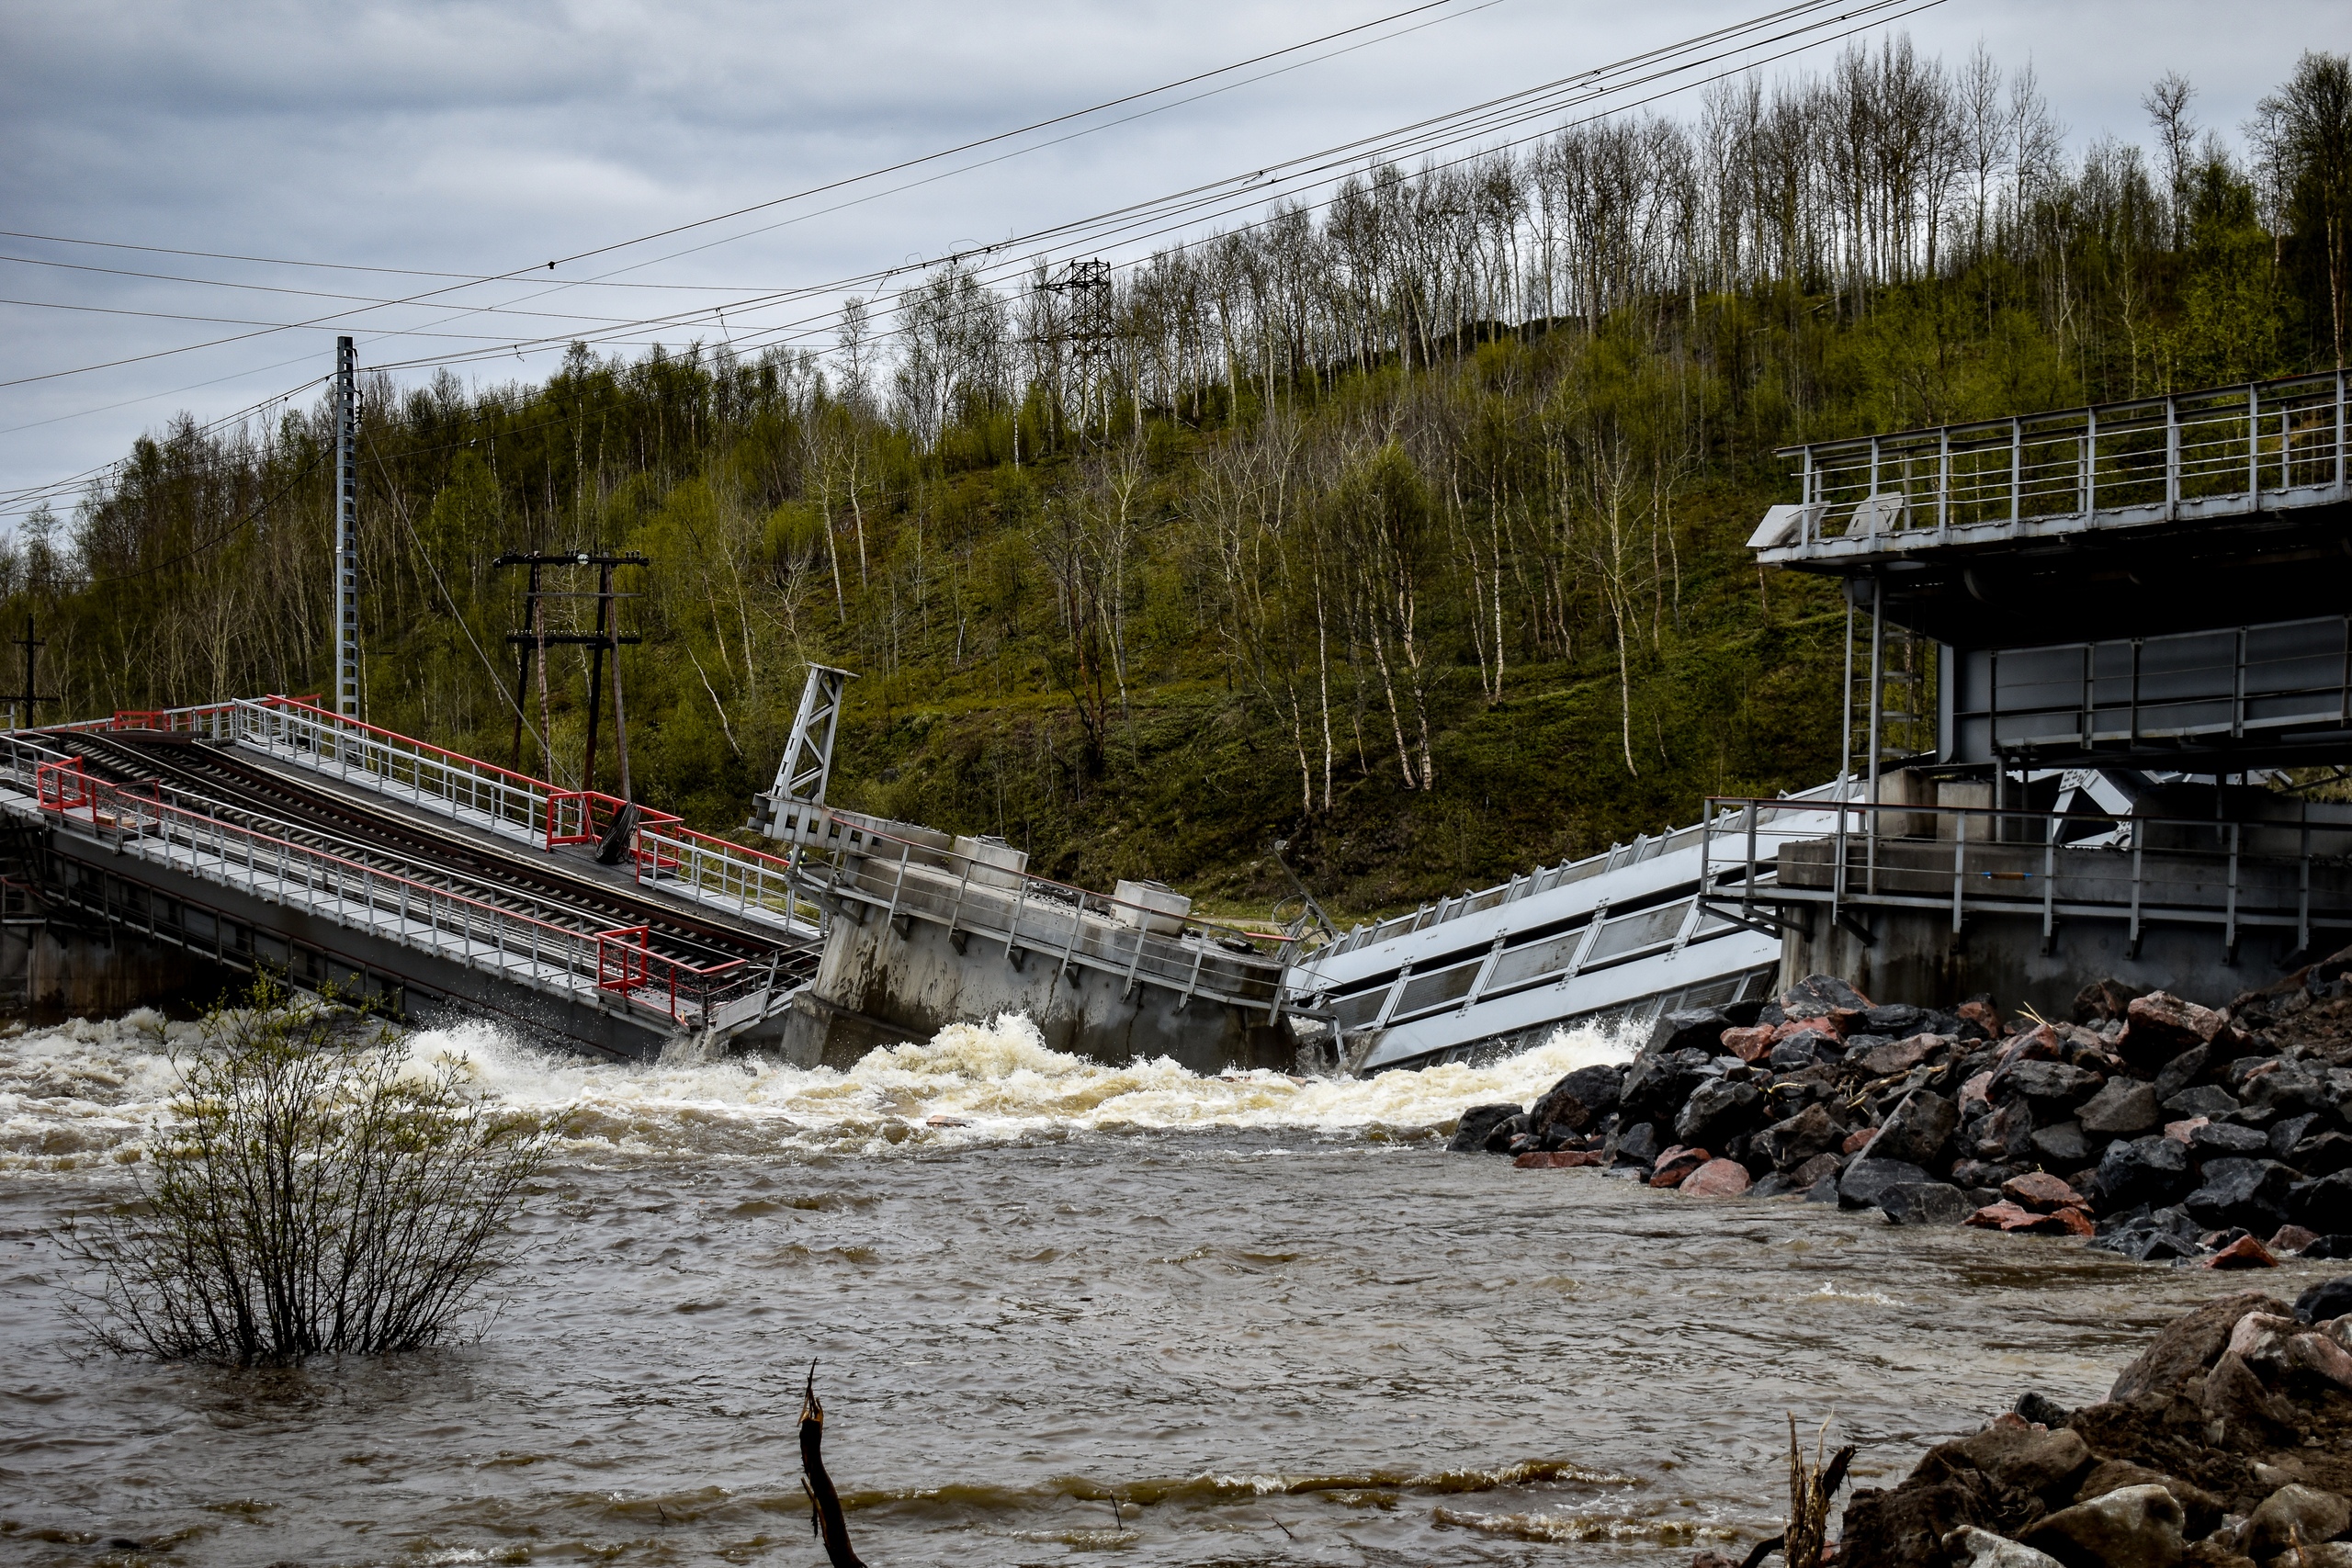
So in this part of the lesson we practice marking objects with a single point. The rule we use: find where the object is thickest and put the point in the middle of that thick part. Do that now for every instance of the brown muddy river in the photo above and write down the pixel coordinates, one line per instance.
(1123, 1315)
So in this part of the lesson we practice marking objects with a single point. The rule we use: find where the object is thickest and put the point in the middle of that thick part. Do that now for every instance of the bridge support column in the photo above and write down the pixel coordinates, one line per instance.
(878, 985)
(50, 971)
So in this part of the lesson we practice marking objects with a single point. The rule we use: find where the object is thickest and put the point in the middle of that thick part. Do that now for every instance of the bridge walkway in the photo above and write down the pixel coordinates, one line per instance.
(271, 833)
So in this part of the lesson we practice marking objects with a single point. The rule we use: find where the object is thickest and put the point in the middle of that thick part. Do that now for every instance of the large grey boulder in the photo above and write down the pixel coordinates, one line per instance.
(2120, 1109)
(2247, 1193)
(2051, 1084)
(2132, 1526)
(1810, 1131)
(1701, 1028)
(1476, 1121)
(2292, 1514)
(1866, 1181)
(1579, 1100)
(1917, 1132)
(1717, 1112)
(2153, 1170)
(1974, 1548)
(1925, 1203)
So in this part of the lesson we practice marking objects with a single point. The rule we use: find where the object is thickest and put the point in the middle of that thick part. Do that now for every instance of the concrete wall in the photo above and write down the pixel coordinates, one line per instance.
(1917, 958)
(879, 984)
(51, 973)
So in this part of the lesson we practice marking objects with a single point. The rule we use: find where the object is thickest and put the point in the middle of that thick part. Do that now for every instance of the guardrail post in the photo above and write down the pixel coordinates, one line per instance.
(1748, 894)
(2049, 884)
(2172, 456)
(2303, 889)
(1076, 920)
(899, 886)
(2017, 469)
(2253, 444)
(1135, 962)
(2340, 443)
(2230, 925)
(1959, 867)
(2090, 466)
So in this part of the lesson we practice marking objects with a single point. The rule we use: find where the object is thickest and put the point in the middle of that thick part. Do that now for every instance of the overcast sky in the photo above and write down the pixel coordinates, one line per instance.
(476, 139)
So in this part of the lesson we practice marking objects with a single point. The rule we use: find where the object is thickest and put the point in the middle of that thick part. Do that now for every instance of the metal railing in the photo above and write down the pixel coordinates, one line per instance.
(662, 850)
(2279, 443)
(2224, 683)
(548, 950)
(1071, 927)
(2237, 874)
(435, 777)
(715, 871)
(1542, 880)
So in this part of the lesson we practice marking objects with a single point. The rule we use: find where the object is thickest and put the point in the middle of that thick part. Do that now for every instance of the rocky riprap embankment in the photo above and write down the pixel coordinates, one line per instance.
(2163, 1130)
(2226, 1444)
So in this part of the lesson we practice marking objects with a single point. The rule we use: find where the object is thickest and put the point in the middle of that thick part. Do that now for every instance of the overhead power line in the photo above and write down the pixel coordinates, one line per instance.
(464, 281)
(1152, 219)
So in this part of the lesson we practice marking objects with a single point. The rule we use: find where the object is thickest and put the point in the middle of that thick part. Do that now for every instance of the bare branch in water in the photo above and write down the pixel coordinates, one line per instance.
(1811, 1488)
(824, 1503)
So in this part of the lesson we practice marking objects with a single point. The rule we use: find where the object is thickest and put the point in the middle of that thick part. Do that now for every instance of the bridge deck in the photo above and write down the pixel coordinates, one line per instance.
(2268, 447)
(337, 848)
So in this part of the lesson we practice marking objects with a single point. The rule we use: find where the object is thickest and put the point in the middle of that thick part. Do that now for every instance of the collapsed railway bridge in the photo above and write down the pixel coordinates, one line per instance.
(272, 833)
(2085, 650)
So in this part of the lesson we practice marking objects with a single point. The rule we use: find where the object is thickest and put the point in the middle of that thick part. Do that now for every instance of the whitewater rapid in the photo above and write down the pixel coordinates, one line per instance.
(89, 1093)
(1059, 1309)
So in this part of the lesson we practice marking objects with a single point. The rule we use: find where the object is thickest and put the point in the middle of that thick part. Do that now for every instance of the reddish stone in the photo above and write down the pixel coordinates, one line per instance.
(1796, 1026)
(2161, 1026)
(2181, 1132)
(1971, 1093)
(1747, 1044)
(1856, 1139)
(2039, 1043)
(1675, 1163)
(1558, 1159)
(1983, 1015)
(1717, 1178)
(1899, 1056)
(2244, 1253)
(2009, 1216)
(2292, 1238)
(2043, 1191)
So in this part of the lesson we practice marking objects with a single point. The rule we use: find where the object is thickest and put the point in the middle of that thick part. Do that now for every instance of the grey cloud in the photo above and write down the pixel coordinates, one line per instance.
(472, 136)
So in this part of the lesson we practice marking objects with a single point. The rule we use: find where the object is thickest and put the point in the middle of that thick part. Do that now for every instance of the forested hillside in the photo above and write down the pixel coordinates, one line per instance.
(1406, 525)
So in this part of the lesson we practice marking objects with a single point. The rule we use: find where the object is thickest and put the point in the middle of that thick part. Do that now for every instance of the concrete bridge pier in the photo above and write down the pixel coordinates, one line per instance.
(57, 971)
(888, 981)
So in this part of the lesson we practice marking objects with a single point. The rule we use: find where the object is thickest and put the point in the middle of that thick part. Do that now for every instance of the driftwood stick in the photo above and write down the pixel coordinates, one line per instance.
(1811, 1488)
(824, 1503)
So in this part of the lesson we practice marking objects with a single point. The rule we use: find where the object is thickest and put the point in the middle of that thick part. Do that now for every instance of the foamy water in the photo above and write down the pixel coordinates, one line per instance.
(90, 1092)
(1234, 1321)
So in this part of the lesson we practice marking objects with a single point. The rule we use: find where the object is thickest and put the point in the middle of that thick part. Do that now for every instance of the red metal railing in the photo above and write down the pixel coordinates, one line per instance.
(662, 848)
(64, 787)
(621, 956)
(470, 927)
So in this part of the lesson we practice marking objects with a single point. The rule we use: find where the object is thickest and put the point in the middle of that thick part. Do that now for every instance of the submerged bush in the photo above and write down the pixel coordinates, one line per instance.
(310, 1192)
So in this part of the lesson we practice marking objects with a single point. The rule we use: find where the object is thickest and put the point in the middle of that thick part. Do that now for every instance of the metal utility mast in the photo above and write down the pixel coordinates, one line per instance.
(347, 530)
(1087, 286)
(22, 709)
(534, 641)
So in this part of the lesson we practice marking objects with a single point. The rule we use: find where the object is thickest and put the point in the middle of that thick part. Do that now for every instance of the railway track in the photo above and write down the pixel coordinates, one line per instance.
(389, 841)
